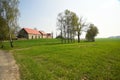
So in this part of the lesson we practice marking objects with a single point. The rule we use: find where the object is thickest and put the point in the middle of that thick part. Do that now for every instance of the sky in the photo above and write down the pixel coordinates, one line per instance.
(42, 14)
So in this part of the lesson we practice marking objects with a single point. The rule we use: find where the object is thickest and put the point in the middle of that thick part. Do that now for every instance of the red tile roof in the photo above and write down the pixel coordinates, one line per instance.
(31, 31)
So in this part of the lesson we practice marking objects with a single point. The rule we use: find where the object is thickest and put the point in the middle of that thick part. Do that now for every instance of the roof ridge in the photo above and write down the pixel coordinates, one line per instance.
(31, 31)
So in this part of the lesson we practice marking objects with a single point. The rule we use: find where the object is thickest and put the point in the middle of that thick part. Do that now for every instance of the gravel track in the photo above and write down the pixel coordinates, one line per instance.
(8, 67)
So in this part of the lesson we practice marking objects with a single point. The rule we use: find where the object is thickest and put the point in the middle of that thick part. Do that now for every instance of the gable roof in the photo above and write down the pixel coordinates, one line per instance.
(31, 31)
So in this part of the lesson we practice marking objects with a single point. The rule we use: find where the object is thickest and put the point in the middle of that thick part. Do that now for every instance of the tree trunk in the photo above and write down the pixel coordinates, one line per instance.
(68, 36)
(64, 37)
(2, 44)
(73, 37)
(61, 37)
(11, 41)
(93, 39)
(78, 37)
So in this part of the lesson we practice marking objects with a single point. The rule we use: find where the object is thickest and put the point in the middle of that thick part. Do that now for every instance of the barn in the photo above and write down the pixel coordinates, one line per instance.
(29, 33)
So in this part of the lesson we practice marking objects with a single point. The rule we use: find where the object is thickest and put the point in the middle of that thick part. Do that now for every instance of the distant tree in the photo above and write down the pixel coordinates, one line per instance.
(81, 26)
(91, 33)
(9, 12)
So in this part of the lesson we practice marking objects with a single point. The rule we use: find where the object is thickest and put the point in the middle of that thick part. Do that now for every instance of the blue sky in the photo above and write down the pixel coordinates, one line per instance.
(42, 14)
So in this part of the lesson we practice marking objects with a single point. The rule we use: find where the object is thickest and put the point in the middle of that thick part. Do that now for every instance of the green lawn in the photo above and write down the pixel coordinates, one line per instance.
(49, 60)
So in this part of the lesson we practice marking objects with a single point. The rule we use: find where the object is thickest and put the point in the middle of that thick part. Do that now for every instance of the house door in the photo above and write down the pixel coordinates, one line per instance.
(32, 37)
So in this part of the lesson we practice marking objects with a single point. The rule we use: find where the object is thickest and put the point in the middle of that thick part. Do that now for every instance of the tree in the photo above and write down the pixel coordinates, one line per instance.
(74, 23)
(66, 22)
(91, 33)
(9, 12)
(81, 26)
(3, 31)
(60, 24)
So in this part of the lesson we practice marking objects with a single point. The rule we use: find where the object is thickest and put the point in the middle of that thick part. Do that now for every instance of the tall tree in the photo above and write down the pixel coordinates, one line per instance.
(91, 33)
(10, 12)
(3, 31)
(74, 24)
(66, 23)
(81, 26)
(60, 25)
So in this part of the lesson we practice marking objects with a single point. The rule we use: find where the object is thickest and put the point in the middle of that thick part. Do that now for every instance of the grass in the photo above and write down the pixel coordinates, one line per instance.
(49, 60)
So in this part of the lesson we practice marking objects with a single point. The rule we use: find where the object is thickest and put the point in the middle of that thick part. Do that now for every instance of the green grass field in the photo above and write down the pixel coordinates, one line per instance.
(49, 60)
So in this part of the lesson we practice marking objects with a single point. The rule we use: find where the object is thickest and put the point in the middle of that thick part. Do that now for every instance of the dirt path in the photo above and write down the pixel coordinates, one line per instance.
(8, 68)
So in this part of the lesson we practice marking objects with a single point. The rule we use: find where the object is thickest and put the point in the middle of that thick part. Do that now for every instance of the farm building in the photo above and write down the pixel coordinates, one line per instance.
(46, 35)
(33, 34)
(49, 35)
(29, 33)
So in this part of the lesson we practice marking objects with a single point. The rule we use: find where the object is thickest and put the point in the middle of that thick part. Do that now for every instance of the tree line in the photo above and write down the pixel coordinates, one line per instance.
(70, 25)
(9, 14)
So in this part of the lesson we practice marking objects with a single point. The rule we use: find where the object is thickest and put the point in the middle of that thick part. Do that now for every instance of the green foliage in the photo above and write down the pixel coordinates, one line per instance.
(46, 59)
(91, 33)
(9, 12)
(3, 31)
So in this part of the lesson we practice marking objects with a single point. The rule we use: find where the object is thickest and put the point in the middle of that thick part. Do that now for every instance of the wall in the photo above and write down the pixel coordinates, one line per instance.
(34, 36)
(22, 34)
